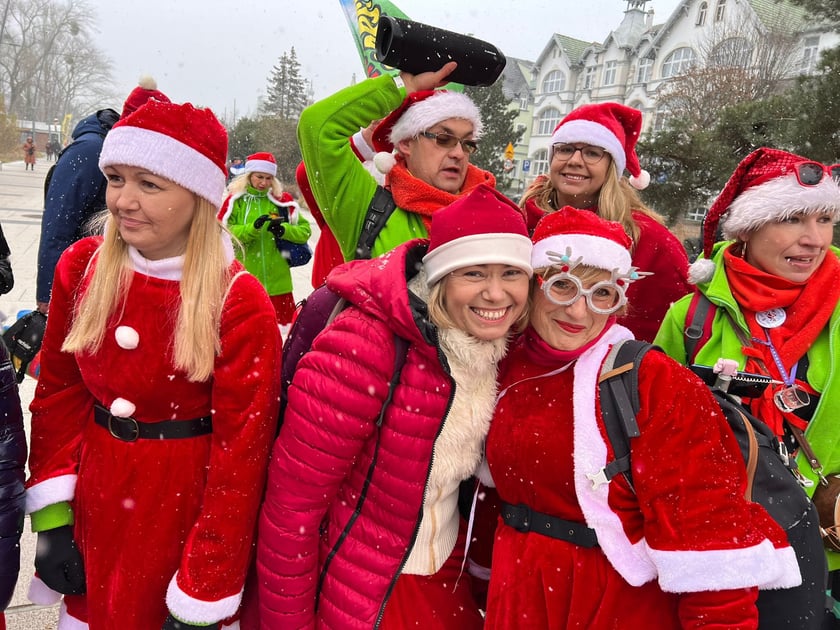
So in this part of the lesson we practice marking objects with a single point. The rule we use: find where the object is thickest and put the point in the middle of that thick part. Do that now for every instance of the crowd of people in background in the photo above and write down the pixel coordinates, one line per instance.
(453, 400)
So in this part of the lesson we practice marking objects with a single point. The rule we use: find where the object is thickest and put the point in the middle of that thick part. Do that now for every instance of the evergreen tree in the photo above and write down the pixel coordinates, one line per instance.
(498, 118)
(287, 91)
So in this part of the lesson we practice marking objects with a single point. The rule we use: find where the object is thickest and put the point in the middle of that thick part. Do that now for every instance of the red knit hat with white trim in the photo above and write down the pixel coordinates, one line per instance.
(181, 143)
(582, 234)
(481, 228)
(261, 163)
(418, 112)
(612, 126)
(146, 89)
(763, 188)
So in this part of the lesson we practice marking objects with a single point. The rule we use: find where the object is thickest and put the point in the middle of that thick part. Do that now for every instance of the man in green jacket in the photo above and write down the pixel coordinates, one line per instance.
(431, 133)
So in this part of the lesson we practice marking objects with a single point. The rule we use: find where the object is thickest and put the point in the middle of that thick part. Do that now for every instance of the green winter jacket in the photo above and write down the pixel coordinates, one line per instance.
(259, 254)
(340, 183)
(823, 371)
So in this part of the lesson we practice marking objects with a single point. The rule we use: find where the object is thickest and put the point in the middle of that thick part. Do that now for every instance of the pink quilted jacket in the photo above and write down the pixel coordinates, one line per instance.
(323, 535)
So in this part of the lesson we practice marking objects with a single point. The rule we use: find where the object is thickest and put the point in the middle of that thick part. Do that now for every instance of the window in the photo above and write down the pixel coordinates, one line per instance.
(589, 78)
(701, 14)
(539, 163)
(720, 11)
(554, 82)
(609, 72)
(809, 54)
(645, 71)
(523, 102)
(677, 62)
(734, 52)
(547, 121)
(660, 119)
(696, 215)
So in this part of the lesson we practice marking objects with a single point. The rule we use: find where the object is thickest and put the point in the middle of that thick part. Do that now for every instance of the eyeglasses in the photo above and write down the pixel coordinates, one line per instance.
(447, 141)
(588, 153)
(564, 289)
(812, 173)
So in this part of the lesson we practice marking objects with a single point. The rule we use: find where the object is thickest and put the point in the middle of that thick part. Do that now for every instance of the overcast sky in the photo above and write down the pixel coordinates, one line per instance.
(219, 53)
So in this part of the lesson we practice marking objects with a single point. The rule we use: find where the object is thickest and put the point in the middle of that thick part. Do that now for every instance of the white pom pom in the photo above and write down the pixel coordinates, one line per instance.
(642, 181)
(127, 338)
(483, 474)
(147, 82)
(701, 270)
(122, 408)
(384, 162)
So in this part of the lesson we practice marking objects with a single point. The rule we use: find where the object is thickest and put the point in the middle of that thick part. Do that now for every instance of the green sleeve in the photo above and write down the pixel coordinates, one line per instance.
(340, 183)
(244, 232)
(671, 332)
(51, 516)
(298, 232)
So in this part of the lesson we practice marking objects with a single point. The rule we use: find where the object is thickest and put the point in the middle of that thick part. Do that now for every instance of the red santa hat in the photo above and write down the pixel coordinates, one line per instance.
(764, 188)
(612, 126)
(261, 163)
(418, 112)
(182, 143)
(146, 89)
(481, 228)
(582, 234)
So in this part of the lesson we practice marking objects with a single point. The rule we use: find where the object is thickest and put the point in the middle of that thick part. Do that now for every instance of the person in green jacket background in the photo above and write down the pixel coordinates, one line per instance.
(774, 290)
(257, 211)
(431, 133)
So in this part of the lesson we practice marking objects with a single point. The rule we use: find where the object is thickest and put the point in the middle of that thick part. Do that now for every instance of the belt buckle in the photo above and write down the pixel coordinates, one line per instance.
(135, 428)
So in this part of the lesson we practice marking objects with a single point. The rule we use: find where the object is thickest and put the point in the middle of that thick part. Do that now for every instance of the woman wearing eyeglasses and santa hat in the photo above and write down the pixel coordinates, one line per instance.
(772, 289)
(590, 150)
(682, 547)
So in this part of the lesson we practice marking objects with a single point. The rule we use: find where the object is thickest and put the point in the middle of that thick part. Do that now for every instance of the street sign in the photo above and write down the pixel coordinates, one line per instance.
(509, 151)
(526, 166)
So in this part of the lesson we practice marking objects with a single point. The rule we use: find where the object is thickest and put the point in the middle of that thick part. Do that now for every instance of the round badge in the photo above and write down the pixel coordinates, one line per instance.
(772, 318)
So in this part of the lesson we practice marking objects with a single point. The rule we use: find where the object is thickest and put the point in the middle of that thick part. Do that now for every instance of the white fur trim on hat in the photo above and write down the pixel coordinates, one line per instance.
(776, 200)
(434, 109)
(478, 249)
(593, 133)
(261, 166)
(596, 251)
(166, 157)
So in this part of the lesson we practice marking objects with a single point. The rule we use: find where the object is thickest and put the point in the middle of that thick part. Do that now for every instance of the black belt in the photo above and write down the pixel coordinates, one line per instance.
(131, 430)
(524, 519)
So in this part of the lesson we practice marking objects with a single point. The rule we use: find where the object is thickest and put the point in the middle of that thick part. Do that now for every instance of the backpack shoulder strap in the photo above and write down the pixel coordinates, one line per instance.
(698, 325)
(618, 386)
(379, 211)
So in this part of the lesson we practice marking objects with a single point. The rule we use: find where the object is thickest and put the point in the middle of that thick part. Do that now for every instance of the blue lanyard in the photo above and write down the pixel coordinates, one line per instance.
(789, 379)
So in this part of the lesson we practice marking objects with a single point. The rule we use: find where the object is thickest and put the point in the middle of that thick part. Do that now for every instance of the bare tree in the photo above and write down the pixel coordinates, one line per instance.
(737, 63)
(49, 63)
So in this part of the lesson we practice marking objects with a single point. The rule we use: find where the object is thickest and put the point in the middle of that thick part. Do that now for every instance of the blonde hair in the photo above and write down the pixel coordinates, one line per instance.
(204, 282)
(440, 317)
(240, 183)
(617, 200)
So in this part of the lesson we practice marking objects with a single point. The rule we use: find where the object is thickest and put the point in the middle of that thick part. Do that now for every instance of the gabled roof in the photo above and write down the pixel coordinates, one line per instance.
(516, 78)
(573, 48)
(777, 13)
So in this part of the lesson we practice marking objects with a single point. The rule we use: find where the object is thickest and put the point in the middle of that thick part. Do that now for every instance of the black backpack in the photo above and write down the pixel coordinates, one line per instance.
(771, 474)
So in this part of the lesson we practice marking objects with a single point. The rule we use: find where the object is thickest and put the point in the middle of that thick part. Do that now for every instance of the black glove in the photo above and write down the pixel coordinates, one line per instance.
(58, 561)
(7, 279)
(276, 227)
(261, 221)
(173, 624)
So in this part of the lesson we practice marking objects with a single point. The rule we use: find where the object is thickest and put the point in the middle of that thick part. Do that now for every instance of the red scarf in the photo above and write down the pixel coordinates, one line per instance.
(414, 195)
(808, 306)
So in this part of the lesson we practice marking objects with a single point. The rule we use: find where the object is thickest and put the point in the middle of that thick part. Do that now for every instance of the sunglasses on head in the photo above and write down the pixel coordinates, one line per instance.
(812, 173)
(447, 141)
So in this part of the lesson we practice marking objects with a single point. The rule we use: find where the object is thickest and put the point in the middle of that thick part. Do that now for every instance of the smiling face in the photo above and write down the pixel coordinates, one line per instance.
(441, 167)
(485, 301)
(568, 327)
(153, 214)
(793, 248)
(576, 182)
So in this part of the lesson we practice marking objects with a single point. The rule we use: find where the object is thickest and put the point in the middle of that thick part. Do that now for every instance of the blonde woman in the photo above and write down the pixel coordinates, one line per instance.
(157, 399)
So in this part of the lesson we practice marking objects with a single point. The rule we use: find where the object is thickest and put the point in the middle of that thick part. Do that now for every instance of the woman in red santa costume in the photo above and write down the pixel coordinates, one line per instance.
(157, 401)
(684, 549)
